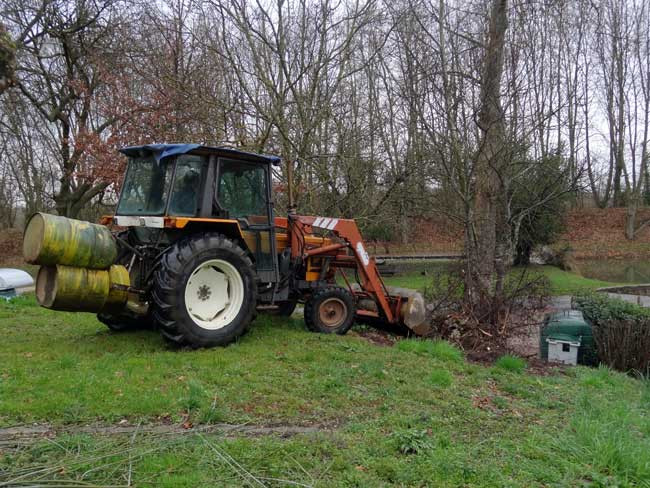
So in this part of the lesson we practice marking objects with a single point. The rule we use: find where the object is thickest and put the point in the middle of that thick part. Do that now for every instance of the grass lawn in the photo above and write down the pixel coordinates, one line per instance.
(415, 414)
(565, 283)
(561, 282)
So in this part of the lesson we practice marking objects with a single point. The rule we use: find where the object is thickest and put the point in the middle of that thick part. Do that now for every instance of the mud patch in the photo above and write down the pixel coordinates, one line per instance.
(376, 337)
(26, 434)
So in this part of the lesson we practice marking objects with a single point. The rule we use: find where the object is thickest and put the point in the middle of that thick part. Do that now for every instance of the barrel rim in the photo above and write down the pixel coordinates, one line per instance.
(44, 295)
(32, 246)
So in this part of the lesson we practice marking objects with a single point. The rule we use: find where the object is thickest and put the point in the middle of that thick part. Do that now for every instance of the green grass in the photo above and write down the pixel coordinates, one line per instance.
(565, 283)
(561, 282)
(510, 363)
(416, 414)
(440, 350)
(441, 378)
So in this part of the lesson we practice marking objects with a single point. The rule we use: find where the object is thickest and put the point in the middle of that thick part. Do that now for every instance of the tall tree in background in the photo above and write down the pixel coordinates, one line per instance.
(59, 75)
(297, 57)
(484, 230)
(371, 104)
(7, 59)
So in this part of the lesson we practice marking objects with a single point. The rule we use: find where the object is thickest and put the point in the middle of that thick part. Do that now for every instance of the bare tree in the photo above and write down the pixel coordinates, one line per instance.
(484, 248)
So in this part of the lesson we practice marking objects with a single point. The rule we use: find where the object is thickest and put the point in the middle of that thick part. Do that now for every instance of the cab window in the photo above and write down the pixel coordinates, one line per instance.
(242, 191)
(187, 182)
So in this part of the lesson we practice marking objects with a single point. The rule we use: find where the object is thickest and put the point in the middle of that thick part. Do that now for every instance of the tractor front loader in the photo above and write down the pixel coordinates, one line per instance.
(195, 251)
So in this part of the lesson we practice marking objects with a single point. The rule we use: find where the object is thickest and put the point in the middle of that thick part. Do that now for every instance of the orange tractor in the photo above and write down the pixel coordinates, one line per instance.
(196, 250)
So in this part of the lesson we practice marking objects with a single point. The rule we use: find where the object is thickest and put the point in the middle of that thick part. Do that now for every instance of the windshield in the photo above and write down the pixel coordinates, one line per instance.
(146, 187)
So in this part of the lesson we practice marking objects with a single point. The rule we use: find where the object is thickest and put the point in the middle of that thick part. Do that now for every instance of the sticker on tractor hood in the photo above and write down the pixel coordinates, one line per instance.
(137, 221)
(325, 223)
(363, 254)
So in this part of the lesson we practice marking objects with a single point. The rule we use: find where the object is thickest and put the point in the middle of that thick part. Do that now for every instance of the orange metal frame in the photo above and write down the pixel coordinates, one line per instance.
(350, 240)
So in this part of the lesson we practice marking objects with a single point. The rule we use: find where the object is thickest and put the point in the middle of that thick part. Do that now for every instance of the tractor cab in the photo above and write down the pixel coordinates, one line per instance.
(189, 180)
(193, 187)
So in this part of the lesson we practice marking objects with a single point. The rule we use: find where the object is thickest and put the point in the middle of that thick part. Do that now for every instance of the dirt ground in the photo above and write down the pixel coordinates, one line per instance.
(11, 248)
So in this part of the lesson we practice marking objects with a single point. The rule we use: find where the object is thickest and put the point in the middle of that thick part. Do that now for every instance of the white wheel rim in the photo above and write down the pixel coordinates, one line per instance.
(214, 294)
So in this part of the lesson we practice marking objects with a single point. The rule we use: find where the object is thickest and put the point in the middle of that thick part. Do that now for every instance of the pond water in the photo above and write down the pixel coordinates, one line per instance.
(411, 266)
(616, 270)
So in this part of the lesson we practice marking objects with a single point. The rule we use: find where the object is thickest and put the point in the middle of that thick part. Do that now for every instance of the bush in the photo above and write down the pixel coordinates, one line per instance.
(543, 220)
(599, 308)
(379, 231)
(624, 344)
(621, 331)
(412, 441)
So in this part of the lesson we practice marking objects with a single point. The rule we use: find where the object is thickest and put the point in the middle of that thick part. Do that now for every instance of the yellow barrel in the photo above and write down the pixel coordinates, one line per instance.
(50, 239)
(82, 290)
(119, 281)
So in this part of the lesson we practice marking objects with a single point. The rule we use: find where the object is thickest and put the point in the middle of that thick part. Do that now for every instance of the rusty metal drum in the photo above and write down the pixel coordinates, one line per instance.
(70, 288)
(51, 239)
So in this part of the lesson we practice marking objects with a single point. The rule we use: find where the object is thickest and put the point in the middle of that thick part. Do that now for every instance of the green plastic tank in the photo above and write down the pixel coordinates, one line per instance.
(570, 324)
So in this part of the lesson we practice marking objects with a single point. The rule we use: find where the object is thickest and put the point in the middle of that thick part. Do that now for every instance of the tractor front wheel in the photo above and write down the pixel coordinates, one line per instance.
(330, 311)
(204, 291)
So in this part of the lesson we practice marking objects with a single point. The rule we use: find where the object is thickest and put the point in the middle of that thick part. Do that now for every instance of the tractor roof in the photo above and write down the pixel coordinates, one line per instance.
(161, 151)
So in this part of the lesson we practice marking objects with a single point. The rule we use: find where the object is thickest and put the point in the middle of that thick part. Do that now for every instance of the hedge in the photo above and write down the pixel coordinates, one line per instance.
(621, 331)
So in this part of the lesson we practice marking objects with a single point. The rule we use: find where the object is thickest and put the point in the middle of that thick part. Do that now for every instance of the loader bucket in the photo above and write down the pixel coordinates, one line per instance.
(413, 313)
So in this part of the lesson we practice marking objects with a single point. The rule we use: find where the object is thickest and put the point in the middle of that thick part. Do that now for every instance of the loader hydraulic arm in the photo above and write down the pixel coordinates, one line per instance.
(347, 232)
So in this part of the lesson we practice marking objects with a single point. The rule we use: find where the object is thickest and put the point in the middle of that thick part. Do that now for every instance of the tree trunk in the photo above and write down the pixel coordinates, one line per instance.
(630, 220)
(481, 233)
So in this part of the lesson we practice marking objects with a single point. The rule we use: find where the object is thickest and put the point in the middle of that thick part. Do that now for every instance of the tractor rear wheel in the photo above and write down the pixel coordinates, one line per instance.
(204, 291)
(330, 311)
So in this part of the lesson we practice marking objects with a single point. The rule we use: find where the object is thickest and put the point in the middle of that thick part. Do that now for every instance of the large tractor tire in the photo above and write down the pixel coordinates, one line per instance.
(204, 291)
(330, 311)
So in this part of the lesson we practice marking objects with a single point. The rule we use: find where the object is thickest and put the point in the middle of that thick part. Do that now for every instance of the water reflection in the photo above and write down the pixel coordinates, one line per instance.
(616, 270)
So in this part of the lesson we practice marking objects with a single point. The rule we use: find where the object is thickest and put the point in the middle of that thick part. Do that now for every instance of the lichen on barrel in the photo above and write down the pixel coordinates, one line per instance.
(51, 239)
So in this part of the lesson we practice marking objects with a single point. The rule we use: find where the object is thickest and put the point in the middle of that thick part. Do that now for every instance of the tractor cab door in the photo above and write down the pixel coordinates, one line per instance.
(244, 193)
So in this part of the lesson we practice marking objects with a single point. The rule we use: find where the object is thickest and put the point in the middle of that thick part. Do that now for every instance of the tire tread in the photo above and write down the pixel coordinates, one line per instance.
(166, 284)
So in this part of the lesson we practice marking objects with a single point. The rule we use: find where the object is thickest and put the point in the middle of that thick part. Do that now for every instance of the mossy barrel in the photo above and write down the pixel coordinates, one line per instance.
(74, 289)
(51, 239)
